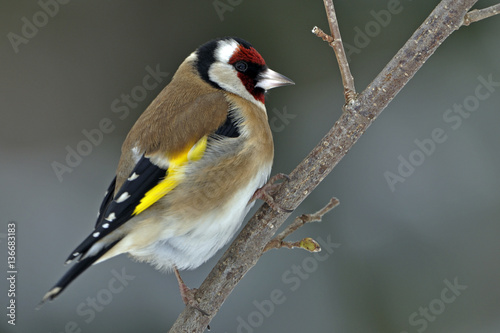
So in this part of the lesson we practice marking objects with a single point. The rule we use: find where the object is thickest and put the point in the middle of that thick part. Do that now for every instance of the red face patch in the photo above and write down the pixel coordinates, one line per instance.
(249, 55)
(249, 78)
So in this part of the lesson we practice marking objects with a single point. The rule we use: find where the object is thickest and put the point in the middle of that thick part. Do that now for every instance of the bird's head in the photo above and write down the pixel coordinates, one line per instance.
(232, 64)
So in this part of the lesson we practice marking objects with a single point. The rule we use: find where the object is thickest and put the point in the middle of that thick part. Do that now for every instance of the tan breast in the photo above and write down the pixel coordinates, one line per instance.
(209, 185)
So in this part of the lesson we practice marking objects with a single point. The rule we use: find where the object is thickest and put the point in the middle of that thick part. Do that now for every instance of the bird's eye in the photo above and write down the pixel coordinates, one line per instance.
(241, 66)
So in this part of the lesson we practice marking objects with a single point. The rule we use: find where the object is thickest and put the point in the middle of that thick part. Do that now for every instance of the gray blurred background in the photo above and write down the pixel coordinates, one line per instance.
(420, 256)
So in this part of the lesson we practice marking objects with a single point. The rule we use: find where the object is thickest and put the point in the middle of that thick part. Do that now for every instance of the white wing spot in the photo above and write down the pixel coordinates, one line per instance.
(123, 197)
(76, 254)
(111, 217)
(105, 225)
(133, 177)
(96, 234)
(136, 154)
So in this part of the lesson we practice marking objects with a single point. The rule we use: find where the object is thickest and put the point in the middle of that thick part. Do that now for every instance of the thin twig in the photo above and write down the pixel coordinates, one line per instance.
(480, 14)
(338, 47)
(307, 243)
(349, 94)
(323, 35)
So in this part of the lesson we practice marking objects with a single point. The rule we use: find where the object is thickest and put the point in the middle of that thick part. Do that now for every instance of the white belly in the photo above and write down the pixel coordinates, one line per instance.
(209, 233)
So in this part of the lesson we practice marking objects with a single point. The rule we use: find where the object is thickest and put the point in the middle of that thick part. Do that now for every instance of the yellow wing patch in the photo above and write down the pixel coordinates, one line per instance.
(175, 173)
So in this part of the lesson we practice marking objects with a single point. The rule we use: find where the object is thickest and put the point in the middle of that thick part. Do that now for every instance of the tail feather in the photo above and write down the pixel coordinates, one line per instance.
(77, 269)
(82, 249)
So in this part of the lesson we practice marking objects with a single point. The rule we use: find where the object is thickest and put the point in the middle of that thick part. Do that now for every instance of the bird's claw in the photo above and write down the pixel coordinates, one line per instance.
(268, 189)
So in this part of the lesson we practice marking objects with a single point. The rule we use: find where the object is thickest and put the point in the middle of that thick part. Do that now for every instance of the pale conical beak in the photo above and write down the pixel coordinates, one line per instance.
(270, 79)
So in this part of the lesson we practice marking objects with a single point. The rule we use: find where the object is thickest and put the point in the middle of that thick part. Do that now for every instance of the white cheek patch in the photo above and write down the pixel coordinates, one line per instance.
(227, 78)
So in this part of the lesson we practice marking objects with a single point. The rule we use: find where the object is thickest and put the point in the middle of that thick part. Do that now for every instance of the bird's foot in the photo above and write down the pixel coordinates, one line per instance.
(188, 294)
(266, 192)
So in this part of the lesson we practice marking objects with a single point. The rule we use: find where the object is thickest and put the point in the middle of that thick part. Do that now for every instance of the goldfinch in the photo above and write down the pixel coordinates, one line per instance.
(190, 166)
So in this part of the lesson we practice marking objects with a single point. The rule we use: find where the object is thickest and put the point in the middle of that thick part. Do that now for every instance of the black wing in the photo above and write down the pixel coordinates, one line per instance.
(115, 210)
(118, 208)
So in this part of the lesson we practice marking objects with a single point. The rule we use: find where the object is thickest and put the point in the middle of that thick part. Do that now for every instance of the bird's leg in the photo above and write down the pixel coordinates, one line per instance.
(187, 294)
(265, 193)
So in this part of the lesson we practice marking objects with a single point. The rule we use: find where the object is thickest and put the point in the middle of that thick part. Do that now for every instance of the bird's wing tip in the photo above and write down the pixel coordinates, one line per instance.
(50, 295)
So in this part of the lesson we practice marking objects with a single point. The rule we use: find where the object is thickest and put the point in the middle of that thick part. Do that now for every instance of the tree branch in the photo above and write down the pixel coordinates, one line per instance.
(480, 14)
(247, 248)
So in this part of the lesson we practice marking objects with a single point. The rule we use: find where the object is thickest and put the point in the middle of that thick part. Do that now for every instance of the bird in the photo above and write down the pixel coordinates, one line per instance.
(191, 166)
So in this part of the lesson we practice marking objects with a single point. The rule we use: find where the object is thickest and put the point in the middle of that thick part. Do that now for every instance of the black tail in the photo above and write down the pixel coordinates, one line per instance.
(73, 273)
